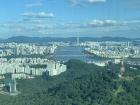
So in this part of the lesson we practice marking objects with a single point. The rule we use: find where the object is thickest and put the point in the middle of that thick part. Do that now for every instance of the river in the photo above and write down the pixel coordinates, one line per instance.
(67, 53)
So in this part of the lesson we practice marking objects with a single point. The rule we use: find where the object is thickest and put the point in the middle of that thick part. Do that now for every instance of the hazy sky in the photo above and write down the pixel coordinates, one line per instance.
(64, 18)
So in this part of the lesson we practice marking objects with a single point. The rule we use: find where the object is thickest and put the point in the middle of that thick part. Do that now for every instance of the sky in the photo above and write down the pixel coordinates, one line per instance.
(68, 18)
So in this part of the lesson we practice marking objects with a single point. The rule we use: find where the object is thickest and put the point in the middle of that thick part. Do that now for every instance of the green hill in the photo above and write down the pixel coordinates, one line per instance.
(81, 84)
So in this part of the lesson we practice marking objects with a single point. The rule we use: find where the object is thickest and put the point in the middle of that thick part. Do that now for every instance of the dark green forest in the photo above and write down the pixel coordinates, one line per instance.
(81, 84)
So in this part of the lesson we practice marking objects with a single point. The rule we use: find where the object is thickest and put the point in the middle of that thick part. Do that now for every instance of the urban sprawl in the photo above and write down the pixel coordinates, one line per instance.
(28, 60)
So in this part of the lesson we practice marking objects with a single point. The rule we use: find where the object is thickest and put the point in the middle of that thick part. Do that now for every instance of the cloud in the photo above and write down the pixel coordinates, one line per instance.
(36, 4)
(73, 2)
(132, 4)
(132, 22)
(96, 27)
(85, 2)
(38, 15)
(96, 1)
(101, 23)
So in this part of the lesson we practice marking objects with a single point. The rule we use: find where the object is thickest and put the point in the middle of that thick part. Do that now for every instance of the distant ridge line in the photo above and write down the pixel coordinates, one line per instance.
(25, 39)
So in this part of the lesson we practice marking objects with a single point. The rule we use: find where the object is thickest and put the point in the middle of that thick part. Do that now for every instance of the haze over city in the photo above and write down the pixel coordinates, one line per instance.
(67, 18)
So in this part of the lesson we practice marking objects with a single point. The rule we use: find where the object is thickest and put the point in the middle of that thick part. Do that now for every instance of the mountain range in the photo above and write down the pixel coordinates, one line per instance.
(25, 39)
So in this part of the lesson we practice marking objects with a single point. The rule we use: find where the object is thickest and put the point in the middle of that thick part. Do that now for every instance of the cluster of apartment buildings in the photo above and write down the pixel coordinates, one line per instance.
(30, 67)
(26, 67)
(111, 49)
(7, 49)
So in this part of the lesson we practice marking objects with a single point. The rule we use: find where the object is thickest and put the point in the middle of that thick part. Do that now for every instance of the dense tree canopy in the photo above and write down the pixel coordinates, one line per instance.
(81, 84)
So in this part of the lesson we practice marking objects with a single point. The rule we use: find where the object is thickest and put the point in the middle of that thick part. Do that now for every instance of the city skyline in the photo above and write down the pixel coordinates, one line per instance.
(67, 18)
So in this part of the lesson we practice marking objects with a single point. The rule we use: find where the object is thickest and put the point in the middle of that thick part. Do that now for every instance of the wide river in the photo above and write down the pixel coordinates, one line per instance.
(67, 53)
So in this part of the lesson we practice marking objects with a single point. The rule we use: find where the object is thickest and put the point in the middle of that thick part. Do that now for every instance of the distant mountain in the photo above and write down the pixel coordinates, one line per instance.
(105, 39)
(25, 39)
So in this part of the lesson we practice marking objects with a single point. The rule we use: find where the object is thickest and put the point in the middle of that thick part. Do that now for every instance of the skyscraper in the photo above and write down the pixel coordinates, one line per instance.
(77, 40)
(122, 70)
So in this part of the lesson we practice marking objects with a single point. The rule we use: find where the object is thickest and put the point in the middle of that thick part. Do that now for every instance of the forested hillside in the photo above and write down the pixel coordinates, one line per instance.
(82, 84)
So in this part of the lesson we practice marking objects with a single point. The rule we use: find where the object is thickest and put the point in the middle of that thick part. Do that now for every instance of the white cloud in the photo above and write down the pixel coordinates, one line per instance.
(73, 2)
(96, 1)
(36, 4)
(85, 2)
(44, 27)
(38, 15)
(97, 23)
